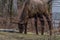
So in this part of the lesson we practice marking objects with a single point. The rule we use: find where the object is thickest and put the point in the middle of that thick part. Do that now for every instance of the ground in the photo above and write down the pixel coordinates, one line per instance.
(18, 36)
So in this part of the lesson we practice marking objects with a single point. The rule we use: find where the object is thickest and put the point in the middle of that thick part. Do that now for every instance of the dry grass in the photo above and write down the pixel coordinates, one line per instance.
(30, 36)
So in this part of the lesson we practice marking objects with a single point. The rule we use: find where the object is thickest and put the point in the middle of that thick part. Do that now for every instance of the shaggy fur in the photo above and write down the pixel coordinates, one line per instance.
(36, 8)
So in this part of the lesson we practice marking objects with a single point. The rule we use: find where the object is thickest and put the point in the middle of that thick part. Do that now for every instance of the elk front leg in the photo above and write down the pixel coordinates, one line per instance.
(25, 32)
(25, 25)
(36, 24)
(42, 23)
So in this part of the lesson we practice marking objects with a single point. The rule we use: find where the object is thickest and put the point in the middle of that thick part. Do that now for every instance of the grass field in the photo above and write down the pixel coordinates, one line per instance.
(18, 36)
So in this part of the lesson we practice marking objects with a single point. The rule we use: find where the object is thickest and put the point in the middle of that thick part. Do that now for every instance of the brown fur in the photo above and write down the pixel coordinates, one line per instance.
(33, 8)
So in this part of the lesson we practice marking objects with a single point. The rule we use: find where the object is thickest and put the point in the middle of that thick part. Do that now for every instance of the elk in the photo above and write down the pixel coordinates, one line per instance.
(35, 9)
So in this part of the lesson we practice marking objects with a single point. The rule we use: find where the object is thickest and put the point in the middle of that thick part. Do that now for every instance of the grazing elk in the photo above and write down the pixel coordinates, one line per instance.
(34, 9)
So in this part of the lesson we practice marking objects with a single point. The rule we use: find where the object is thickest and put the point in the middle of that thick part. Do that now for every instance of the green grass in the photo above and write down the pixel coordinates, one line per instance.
(29, 36)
